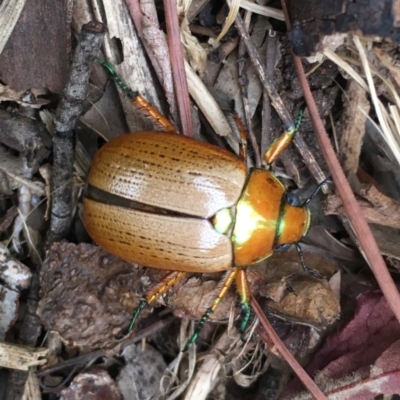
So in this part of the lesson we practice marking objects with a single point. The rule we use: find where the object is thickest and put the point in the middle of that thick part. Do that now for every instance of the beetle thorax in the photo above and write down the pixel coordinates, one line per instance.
(264, 219)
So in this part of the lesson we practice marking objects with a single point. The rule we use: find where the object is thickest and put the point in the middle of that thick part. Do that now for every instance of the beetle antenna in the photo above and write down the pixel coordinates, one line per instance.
(327, 180)
(310, 271)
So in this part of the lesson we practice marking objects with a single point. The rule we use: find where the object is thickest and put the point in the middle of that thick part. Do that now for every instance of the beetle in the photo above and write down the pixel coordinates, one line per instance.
(170, 202)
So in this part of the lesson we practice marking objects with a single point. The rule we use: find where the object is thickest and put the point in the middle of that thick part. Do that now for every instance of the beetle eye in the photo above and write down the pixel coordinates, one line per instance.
(292, 199)
(283, 247)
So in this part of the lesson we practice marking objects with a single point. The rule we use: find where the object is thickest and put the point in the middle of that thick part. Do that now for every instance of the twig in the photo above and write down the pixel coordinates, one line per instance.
(67, 114)
(270, 60)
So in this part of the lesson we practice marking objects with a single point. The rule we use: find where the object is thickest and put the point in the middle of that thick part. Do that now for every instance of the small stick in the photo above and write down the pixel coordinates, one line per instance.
(67, 114)
(270, 59)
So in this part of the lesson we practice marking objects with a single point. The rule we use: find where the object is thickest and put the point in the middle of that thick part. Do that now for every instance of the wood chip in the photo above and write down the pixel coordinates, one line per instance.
(21, 357)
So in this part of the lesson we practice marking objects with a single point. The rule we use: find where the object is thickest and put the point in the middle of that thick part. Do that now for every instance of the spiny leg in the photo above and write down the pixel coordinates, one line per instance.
(223, 286)
(139, 102)
(155, 292)
(276, 148)
(153, 114)
(243, 289)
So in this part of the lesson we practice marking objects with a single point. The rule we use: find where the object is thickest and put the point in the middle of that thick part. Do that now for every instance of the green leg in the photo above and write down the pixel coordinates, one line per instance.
(142, 305)
(246, 312)
(225, 284)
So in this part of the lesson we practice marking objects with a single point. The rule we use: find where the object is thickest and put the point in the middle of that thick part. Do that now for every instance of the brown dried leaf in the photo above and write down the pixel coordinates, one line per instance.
(32, 56)
(367, 347)
(291, 293)
(308, 301)
(26, 98)
(376, 207)
(374, 327)
(388, 240)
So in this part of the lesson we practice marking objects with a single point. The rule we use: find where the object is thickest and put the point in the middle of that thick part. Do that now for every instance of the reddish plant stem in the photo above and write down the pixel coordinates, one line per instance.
(178, 67)
(286, 354)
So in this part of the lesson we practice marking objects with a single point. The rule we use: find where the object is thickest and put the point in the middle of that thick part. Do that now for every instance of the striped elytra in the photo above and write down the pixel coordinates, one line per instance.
(175, 190)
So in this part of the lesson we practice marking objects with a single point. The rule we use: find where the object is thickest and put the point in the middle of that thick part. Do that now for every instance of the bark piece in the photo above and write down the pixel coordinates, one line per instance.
(87, 295)
(140, 377)
(9, 302)
(94, 384)
(21, 357)
(16, 275)
(35, 57)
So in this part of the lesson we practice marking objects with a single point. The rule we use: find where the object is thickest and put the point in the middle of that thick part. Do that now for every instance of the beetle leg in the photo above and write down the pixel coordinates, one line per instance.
(242, 287)
(242, 140)
(152, 114)
(156, 291)
(223, 288)
(310, 271)
(276, 148)
(139, 102)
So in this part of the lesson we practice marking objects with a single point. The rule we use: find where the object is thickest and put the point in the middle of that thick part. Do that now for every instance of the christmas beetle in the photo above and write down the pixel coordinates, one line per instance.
(174, 203)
